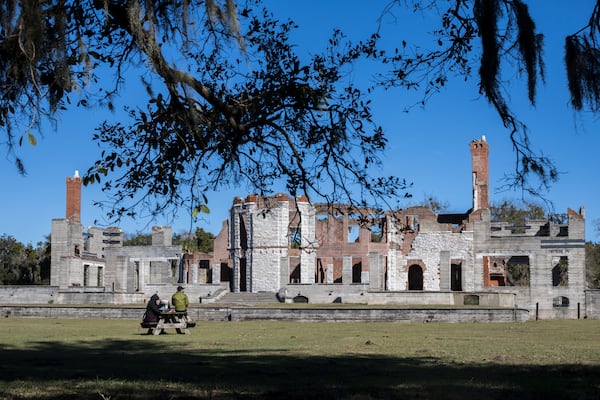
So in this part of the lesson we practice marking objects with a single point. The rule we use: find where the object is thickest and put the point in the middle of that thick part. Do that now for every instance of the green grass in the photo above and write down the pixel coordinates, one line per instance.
(53, 359)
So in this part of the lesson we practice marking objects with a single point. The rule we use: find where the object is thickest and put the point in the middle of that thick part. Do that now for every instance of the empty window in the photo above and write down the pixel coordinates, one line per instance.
(560, 272)
(353, 234)
(377, 233)
(86, 275)
(100, 280)
(517, 271)
(356, 271)
(412, 222)
(174, 268)
(295, 237)
(560, 301)
(507, 271)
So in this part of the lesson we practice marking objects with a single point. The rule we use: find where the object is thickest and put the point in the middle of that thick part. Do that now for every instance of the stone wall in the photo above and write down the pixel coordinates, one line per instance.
(542, 297)
(66, 244)
(428, 246)
(592, 304)
(131, 268)
(300, 314)
(20, 294)
(380, 315)
(267, 243)
(75, 295)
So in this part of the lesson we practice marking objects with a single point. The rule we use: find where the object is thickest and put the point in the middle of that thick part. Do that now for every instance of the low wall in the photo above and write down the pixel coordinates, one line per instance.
(327, 293)
(316, 294)
(592, 303)
(50, 311)
(194, 291)
(33, 294)
(302, 314)
(449, 315)
(51, 295)
(359, 294)
(19, 294)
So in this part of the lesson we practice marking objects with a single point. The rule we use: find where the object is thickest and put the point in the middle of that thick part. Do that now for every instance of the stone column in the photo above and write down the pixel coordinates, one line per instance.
(193, 273)
(144, 274)
(216, 273)
(375, 268)
(347, 270)
(284, 271)
(444, 271)
(364, 277)
(329, 274)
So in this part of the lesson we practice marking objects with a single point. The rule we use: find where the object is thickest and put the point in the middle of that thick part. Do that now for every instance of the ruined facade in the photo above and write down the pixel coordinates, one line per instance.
(410, 256)
(97, 261)
(326, 253)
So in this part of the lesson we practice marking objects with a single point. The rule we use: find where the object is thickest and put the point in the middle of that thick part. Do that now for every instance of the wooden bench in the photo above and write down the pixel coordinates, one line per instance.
(175, 321)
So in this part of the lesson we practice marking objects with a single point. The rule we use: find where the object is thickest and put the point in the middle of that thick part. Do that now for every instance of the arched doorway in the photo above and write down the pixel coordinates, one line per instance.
(415, 277)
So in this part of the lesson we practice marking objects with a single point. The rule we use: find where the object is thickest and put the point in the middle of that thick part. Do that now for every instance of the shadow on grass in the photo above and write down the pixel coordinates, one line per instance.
(127, 369)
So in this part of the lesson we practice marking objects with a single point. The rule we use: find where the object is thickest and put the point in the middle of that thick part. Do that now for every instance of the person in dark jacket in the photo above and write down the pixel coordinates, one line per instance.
(152, 309)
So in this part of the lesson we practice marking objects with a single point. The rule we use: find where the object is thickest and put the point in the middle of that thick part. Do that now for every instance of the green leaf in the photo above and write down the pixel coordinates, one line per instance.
(200, 209)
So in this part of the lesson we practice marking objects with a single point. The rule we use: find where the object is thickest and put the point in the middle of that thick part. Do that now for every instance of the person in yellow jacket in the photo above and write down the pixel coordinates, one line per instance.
(180, 301)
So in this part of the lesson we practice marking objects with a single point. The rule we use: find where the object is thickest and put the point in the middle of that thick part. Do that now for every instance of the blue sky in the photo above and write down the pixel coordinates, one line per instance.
(429, 147)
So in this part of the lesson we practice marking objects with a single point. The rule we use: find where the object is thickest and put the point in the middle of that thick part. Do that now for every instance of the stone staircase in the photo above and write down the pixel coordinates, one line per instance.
(247, 299)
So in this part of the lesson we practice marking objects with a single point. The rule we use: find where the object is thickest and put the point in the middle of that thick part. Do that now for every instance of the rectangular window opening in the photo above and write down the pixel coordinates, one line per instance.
(377, 233)
(560, 272)
(507, 270)
(295, 237)
(100, 280)
(86, 275)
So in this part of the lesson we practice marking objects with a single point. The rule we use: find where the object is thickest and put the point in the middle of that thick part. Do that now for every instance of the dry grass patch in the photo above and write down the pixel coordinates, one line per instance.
(55, 359)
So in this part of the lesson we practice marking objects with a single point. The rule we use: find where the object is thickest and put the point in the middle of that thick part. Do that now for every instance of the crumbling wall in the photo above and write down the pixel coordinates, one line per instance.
(542, 296)
(428, 247)
(66, 244)
(134, 267)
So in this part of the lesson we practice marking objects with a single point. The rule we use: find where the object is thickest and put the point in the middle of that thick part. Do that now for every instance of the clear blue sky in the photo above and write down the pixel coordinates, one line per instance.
(429, 147)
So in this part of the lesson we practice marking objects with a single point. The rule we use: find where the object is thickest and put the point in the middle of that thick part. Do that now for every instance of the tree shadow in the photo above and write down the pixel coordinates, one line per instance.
(277, 374)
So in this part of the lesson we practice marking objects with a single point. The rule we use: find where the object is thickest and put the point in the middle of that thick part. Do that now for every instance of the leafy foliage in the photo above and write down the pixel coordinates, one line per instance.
(239, 107)
(496, 34)
(282, 121)
(582, 58)
(517, 213)
(436, 205)
(200, 240)
(144, 239)
(23, 264)
(230, 100)
(592, 265)
(517, 274)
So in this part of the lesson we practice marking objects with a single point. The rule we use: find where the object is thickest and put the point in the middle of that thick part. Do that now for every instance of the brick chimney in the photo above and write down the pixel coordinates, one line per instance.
(481, 181)
(74, 198)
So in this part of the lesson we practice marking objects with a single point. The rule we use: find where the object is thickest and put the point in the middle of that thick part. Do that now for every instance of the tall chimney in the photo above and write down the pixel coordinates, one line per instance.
(74, 198)
(481, 180)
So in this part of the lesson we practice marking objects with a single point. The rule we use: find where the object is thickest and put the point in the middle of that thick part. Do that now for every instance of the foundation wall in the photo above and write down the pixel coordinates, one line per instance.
(281, 314)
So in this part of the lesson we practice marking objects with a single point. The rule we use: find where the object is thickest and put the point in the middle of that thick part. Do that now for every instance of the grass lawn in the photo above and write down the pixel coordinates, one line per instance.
(53, 359)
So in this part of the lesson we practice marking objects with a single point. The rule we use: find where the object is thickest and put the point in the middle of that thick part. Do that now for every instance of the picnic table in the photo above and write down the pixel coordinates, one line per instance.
(170, 320)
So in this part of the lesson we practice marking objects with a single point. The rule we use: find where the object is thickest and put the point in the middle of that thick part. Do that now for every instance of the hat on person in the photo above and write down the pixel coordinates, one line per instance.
(180, 288)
